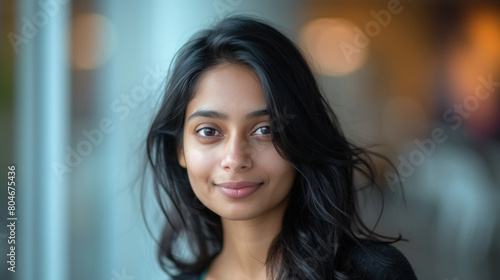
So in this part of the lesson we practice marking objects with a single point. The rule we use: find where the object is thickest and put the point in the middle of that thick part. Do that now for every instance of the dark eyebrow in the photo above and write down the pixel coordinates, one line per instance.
(208, 114)
(222, 116)
(257, 114)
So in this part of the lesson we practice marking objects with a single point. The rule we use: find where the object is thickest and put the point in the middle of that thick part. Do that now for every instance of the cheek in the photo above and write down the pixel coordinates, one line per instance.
(199, 163)
(199, 167)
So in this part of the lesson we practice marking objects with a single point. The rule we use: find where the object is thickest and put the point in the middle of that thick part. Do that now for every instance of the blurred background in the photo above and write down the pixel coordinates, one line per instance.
(80, 81)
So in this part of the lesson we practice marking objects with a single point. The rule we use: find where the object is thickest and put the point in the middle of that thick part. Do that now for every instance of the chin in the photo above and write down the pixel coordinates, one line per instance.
(237, 212)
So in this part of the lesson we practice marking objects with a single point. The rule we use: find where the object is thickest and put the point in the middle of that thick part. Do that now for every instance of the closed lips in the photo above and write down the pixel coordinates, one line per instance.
(237, 190)
(239, 185)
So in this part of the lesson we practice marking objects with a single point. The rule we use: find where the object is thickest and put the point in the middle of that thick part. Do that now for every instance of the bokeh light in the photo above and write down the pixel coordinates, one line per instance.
(92, 41)
(330, 42)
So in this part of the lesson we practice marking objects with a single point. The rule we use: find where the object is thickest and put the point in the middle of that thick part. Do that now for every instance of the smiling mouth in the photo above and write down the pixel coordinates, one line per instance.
(238, 190)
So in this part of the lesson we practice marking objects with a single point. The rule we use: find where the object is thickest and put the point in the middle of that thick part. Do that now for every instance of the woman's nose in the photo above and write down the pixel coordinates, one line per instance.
(237, 155)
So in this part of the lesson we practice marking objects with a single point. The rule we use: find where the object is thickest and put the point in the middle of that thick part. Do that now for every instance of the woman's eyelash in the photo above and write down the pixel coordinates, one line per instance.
(207, 129)
(266, 127)
(215, 132)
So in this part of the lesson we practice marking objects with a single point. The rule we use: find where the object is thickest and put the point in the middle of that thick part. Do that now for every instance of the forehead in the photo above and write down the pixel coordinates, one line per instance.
(228, 87)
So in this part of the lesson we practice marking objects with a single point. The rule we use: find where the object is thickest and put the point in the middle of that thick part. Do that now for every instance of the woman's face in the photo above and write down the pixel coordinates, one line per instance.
(232, 164)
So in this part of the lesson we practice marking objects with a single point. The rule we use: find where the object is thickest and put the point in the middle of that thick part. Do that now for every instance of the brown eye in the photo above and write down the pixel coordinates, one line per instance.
(264, 130)
(207, 132)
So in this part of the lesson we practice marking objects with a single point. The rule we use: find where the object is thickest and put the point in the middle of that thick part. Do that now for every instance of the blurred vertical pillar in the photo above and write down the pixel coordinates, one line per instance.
(41, 131)
(121, 240)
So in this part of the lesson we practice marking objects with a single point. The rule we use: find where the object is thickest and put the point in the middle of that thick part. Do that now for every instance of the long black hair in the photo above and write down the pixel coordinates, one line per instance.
(321, 223)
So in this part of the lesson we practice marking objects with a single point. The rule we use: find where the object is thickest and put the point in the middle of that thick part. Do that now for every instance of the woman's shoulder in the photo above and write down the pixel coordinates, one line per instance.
(376, 260)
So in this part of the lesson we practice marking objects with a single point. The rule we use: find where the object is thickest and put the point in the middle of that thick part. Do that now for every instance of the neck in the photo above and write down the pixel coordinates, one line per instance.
(246, 243)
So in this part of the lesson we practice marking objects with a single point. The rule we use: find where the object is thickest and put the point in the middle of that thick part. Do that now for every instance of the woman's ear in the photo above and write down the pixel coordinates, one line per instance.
(180, 156)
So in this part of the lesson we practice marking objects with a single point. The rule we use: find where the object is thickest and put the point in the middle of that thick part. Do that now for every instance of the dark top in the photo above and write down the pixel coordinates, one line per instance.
(394, 264)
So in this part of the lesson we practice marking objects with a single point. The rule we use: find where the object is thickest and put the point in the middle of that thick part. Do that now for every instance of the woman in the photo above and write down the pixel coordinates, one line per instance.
(252, 170)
